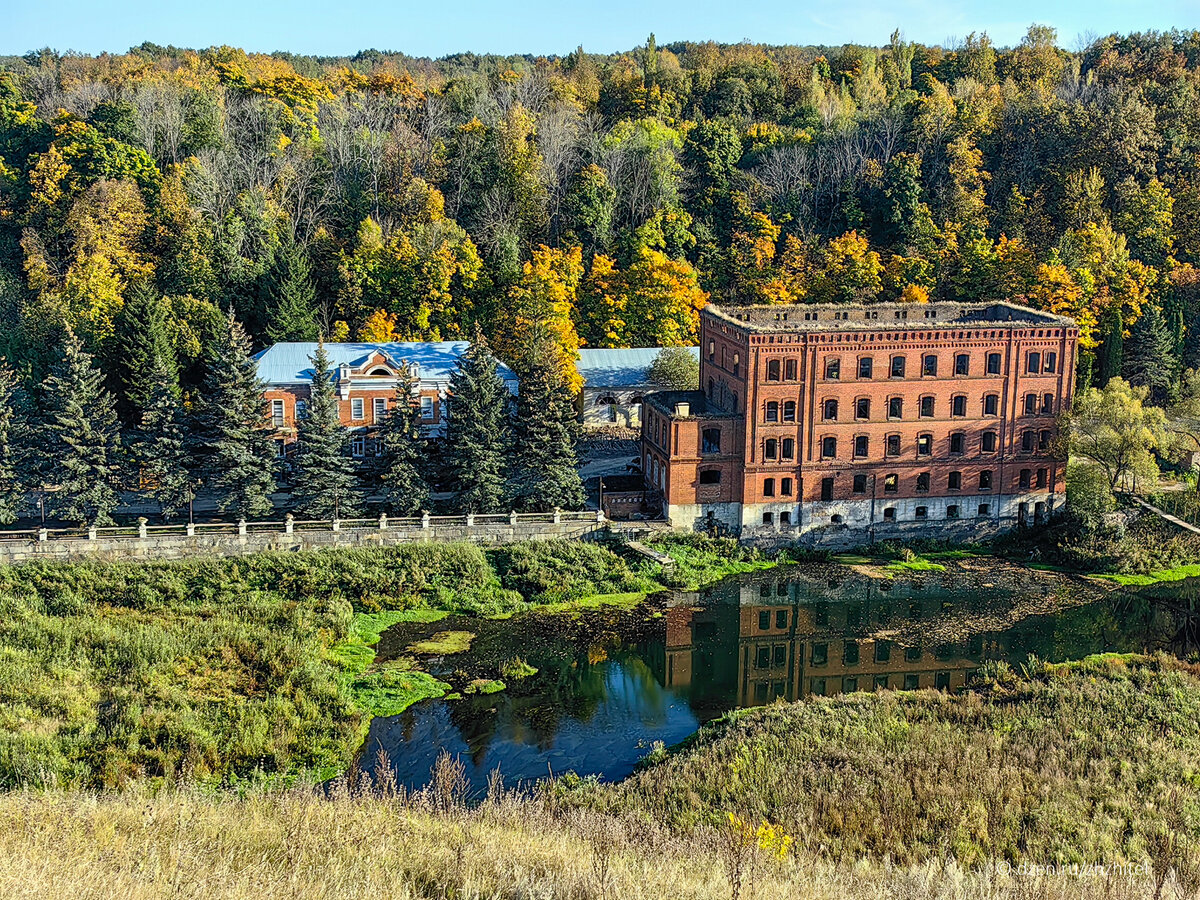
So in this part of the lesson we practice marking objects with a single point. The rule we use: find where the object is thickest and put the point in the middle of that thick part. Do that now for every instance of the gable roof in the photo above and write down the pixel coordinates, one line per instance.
(433, 361)
(626, 367)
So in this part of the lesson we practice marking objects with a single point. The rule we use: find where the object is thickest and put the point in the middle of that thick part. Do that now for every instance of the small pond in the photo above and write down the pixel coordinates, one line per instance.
(612, 682)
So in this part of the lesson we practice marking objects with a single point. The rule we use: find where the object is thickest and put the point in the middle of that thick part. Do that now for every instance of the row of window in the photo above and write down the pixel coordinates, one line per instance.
(989, 442)
(920, 513)
(1036, 363)
(1026, 478)
(379, 407)
(1035, 405)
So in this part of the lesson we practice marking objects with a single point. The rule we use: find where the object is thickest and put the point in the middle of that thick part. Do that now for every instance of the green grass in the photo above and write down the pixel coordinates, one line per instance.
(516, 668)
(485, 686)
(595, 601)
(902, 566)
(1087, 762)
(1160, 576)
(389, 688)
(701, 561)
(443, 643)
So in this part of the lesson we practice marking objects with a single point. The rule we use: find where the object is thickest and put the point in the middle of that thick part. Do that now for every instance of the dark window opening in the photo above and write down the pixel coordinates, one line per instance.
(962, 364)
(993, 363)
(897, 366)
(860, 484)
(826, 488)
(891, 483)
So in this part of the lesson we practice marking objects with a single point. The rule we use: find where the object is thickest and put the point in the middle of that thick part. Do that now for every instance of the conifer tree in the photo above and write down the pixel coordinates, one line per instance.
(325, 484)
(1150, 354)
(141, 344)
(401, 463)
(231, 441)
(13, 427)
(545, 467)
(292, 310)
(79, 438)
(477, 431)
(157, 446)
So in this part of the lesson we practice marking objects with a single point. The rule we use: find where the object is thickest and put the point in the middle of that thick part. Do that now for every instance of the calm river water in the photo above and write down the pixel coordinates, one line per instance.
(610, 683)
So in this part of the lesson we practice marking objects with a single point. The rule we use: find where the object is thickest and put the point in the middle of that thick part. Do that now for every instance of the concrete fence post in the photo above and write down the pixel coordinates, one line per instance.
(557, 516)
(599, 515)
(512, 518)
(289, 524)
(43, 535)
(142, 527)
(424, 518)
(470, 520)
(91, 532)
(241, 526)
(383, 522)
(337, 524)
(191, 529)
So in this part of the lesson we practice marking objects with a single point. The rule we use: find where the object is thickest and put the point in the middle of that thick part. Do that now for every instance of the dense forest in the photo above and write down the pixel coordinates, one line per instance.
(603, 198)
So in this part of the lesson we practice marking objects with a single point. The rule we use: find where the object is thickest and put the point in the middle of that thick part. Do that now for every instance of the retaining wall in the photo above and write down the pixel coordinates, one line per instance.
(234, 540)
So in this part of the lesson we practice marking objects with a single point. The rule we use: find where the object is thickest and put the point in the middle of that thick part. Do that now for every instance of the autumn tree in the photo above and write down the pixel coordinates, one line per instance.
(1116, 429)
(541, 313)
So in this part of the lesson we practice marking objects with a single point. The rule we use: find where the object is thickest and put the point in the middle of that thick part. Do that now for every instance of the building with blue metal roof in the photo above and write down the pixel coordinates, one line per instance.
(614, 382)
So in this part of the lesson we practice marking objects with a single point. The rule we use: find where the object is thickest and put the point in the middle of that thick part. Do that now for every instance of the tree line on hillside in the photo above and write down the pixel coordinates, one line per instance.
(606, 196)
(64, 453)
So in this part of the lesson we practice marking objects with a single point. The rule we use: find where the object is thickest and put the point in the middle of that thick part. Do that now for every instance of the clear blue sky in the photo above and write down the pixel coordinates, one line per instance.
(328, 27)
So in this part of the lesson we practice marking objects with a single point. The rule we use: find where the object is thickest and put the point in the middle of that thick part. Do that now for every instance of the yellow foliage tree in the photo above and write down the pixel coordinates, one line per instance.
(656, 302)
(379, 328)
(542, 305)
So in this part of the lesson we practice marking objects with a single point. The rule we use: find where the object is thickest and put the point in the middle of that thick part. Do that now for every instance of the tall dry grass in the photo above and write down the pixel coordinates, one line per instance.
(297, 844)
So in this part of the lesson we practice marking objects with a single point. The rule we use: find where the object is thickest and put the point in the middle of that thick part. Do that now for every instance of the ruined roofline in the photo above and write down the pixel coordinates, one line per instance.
(820, 317)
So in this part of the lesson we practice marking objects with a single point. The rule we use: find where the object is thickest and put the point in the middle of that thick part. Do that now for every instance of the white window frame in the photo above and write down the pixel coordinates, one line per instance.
(301, 409)
(378, 409)
(357, 409)
(427, 408)
(277, 412)
(358, 446)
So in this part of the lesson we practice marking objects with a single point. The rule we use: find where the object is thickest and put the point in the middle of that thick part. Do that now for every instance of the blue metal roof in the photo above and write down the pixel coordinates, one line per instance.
(291, 363)
(620, 368)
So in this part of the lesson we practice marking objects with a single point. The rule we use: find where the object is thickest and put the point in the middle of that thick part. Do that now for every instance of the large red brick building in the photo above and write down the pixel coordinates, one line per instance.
(880, 419)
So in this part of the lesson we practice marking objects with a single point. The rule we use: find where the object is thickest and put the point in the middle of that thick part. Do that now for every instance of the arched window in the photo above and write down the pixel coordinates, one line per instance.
(772, 410)
(789, 448)
(380, 370)
(771, 449)
(789, 410)
(772, 370)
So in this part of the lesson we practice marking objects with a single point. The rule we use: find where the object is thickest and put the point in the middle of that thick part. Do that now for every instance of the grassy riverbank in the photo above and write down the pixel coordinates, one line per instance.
(1090, 762)
(255, 666)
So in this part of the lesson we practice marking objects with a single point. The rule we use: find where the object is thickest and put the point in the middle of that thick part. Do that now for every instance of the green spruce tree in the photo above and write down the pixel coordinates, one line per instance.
(13, 446)
(141, 344)
(157, 446)
(545, 471)
(231, 441)
(477, 432)
(401, 463)
(1150, 358)
(326, 486)
(292, 309)
(79, 438)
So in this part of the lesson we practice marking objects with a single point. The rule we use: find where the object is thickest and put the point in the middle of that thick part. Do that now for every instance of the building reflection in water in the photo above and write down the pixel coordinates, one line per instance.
(790, 639)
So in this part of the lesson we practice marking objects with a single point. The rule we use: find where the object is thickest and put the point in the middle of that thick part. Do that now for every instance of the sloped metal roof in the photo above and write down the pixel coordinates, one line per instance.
(620, 368)
(291, 363)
